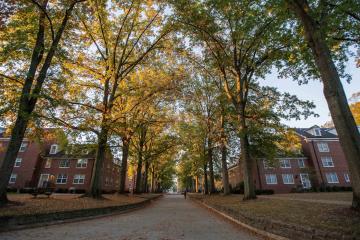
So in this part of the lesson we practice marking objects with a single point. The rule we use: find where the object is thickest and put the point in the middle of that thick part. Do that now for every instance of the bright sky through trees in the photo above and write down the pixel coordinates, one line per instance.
(313, 92)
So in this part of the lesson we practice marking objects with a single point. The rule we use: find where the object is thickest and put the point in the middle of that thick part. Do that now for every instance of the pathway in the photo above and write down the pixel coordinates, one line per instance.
(169, 218)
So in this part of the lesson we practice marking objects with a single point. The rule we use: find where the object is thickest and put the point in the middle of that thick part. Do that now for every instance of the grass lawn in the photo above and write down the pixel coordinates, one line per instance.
(327, 217)
(26, 204)
(328, 196)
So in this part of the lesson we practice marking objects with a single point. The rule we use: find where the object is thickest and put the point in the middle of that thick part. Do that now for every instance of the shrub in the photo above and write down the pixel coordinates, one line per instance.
(79, 191)
(238, 189)
(264, 191)
(61, 190)
(11, 189)
(27, 190)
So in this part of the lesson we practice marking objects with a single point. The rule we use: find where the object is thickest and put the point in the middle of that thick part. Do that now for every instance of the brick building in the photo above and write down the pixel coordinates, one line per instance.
(322, 164)
(69, 169)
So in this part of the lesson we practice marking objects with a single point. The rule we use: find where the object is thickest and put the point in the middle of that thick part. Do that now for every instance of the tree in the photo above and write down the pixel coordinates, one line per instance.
(328, 43)
(115, 40)
(42, 55)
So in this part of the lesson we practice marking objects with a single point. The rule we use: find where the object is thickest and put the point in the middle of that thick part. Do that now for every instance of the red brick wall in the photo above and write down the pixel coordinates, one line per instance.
(281, 187)
(55, 170)
(338, 157)
(30, 157)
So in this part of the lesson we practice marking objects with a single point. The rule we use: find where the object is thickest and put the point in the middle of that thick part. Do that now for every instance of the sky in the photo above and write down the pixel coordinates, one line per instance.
(313, 92)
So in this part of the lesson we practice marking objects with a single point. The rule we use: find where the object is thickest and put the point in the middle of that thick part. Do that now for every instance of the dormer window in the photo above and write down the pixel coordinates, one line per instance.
(54, 149)
(23, 147)
(317, 132)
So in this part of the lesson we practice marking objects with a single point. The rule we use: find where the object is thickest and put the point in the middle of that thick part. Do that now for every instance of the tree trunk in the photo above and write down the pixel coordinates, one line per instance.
(153, 179)
(247, 163)
(123, 170)
(28, 99)
(206, 189)
(224, 170)
(138, 172)
(196, 184)
(145, 178)
(211, 167)
(96, 180)
(334, 93)
(17, 136)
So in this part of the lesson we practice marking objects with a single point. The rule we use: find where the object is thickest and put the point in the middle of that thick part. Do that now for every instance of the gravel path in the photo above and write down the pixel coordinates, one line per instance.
(169, 218)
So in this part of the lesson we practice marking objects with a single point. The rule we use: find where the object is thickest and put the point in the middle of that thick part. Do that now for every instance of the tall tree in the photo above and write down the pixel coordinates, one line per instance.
(42, 55)
(116, 39)
(319, 22)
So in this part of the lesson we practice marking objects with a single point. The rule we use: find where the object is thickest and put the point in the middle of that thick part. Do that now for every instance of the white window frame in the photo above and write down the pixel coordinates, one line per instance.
(325, 161)
(79, 179)
(331, 180)
(18, 162)
(82, 165)
(23, 147)
(63, 160)
(282, 163)
(266, 164)
(271, 177)
(317, 131)
(323, 147)
(306, 184)
(347, 177)
(63, 176)
(48, 163)
(285, 176)
(54, 149)
(301, 165)
(13, 178)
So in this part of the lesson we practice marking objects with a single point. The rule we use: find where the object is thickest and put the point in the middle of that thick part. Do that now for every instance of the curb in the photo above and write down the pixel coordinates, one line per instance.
(11, 223)
(257, 231)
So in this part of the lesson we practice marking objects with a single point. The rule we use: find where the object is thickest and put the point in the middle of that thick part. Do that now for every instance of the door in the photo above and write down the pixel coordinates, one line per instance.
(305, 180)
(43, 178)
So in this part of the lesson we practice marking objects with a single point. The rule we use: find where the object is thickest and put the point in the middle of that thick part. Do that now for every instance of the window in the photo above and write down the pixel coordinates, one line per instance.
(79, 179)
(301, 163)
(267, 164)
(81, 163)
(305, 180)
(323, 147)
(317, 132)
(61, 179)
(285, 163)
(65, 163)
(23, 147)
(332, 178)
(13, 178)
(18, 162)
(53, 149)
(327, 162)
(288, 178)
(347, 177)
(271, 178)
(48, 163)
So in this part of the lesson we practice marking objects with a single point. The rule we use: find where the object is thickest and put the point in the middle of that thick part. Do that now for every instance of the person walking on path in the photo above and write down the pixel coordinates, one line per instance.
(185, 193)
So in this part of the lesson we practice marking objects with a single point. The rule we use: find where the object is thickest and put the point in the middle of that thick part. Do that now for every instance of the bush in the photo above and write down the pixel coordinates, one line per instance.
(264, 191)
(27, 190)
(238, 189)
(61, 190)
(80, 191)
(11, 189)
(108, 191)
